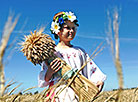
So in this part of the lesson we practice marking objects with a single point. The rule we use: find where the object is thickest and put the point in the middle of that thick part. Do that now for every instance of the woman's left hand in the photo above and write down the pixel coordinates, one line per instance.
(100, 85)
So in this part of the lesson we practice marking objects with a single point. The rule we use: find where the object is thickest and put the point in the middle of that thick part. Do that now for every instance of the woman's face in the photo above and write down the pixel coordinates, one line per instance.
(68, 31)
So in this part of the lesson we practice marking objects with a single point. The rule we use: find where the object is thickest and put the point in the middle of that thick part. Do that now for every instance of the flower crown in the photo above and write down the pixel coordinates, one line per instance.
(60, 20)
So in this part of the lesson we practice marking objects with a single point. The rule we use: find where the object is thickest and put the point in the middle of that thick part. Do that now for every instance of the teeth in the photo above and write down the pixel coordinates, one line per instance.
(38, 47)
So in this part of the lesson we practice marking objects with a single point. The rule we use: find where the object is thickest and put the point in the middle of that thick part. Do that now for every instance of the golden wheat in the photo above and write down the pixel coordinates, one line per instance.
(38, 47)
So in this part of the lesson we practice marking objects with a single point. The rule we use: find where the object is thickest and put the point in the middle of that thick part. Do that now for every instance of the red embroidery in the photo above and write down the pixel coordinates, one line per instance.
(93, 70)
(50, 85)
(79, 52)
(75, 55)
(91, 63)
(68, 56)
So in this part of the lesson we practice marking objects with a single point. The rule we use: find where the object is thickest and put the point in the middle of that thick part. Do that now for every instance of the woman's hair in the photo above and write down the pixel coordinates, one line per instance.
(59, 18)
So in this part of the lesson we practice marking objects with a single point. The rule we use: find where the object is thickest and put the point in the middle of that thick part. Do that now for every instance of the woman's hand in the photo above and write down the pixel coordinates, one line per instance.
(54, 67)
(100, 85)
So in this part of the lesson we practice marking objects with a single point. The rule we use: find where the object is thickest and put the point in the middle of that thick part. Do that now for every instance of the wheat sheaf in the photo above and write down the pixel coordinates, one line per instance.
(38, 47)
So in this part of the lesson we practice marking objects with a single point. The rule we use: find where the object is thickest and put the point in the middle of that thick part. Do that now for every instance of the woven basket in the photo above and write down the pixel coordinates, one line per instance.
(83, 87)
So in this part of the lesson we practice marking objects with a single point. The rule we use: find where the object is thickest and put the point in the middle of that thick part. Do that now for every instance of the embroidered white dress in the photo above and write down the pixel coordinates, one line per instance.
(75, 57)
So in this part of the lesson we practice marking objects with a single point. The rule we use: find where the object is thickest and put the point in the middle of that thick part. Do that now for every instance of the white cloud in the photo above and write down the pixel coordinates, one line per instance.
(101, 37)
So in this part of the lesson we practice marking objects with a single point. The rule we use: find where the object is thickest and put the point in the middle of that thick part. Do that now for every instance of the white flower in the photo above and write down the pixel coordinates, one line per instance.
(71, 16)
(55, 27)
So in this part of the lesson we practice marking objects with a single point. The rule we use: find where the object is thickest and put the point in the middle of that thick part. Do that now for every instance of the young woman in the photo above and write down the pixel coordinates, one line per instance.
(64, 27)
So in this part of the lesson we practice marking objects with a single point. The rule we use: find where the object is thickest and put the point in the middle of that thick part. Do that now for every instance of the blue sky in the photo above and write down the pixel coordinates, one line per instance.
(93, 20)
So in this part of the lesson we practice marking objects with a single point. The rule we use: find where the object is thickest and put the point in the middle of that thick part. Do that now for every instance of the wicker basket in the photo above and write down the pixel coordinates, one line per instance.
(83, 87)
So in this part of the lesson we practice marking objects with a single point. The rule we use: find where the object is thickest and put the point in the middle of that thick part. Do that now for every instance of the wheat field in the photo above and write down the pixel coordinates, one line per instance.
(127, 95)
(118, 95)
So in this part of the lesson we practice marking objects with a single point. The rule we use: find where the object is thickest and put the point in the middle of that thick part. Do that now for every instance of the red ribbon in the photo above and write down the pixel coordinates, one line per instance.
(50, 85)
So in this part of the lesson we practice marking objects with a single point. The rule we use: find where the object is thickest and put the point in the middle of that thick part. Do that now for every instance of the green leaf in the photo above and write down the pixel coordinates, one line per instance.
(65, 17)
(57, 18)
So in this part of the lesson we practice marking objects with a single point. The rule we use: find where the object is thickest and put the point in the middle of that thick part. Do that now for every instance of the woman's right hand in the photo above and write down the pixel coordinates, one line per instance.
(54, 67)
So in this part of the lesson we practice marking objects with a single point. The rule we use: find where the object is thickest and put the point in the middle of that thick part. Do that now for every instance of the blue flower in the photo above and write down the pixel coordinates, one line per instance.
(61, 20)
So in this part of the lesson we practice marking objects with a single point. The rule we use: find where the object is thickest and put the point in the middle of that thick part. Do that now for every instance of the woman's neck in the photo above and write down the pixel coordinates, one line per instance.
(62, 44)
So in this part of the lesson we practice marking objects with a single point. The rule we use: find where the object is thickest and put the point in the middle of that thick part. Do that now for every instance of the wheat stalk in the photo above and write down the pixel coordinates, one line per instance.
(115, 52)
(9, 26)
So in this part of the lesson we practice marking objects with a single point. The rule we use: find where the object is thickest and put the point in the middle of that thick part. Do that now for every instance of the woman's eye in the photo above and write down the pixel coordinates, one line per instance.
(68, 28)
(73, 28)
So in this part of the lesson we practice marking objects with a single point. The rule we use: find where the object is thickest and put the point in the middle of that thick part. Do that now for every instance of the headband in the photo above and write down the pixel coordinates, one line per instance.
(58, 22)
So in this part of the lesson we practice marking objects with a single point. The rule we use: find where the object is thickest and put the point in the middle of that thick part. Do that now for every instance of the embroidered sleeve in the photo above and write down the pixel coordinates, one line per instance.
(94, 73)
(41, 77)
(91, 70)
